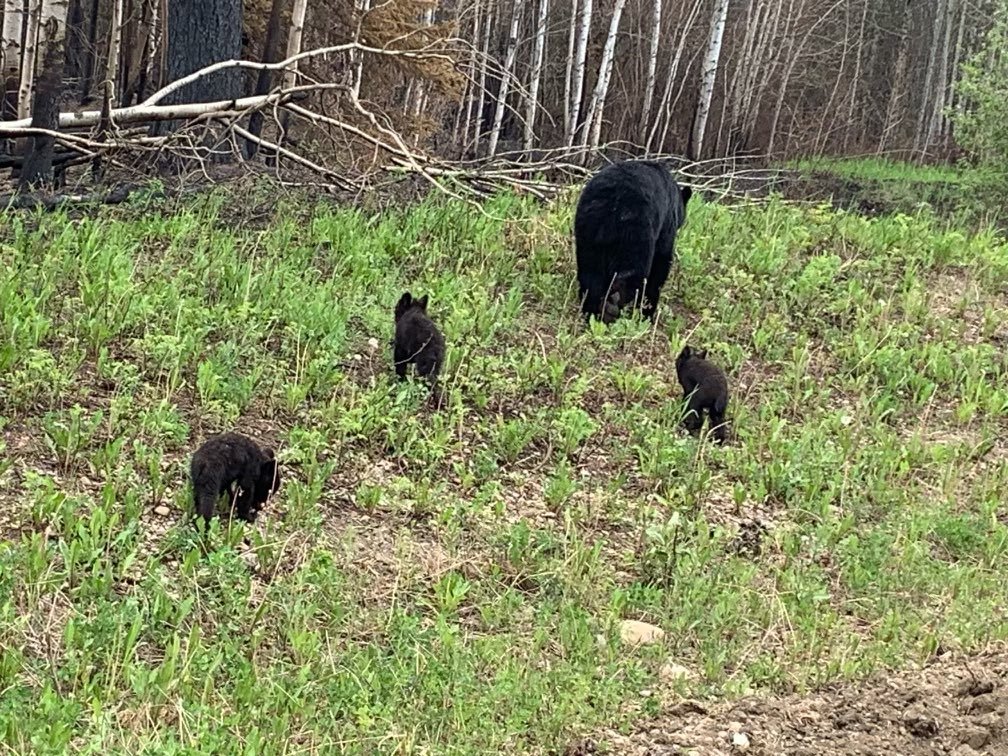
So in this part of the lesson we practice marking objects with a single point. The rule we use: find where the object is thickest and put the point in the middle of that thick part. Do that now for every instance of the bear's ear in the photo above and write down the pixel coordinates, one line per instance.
(685, 353)
(403, 304)
(268, 452)
(701, 354)
(686, 193)
(422, 303)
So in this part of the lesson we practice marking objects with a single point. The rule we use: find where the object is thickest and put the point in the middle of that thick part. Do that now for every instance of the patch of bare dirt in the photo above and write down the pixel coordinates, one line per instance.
(956, 706)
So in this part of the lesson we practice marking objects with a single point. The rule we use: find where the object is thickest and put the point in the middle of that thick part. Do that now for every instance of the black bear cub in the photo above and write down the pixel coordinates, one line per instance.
(705, 387)
(625, 229)
(228, 459)
(417, 339)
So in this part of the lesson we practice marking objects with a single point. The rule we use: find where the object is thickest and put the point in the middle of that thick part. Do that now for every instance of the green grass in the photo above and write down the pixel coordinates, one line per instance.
(886, 169)
(452, 581)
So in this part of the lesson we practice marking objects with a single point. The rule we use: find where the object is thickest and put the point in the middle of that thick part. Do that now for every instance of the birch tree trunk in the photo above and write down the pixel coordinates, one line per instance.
(293, 48)
(892, 116)
(463, 114)
(536, 75)
(420, 90)
(294, 39)
(856, 82)
(596, 106)
(652, 67)
(115, 45)
(665, 108)
(13, 22)
(363, 6)
(37, 168)
(509, 61)
(569, 67)
(28, 58)
(946, 130)
(580, 59)
(485, 62)
(928, 93)
(822, 134)
(936, 125)
(709, 75)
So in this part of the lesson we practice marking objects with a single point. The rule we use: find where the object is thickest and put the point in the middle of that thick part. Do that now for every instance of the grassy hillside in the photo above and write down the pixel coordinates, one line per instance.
(452, 580)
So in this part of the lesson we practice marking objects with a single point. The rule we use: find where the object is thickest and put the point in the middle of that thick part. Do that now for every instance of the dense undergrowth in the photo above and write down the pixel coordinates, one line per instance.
(451, 580)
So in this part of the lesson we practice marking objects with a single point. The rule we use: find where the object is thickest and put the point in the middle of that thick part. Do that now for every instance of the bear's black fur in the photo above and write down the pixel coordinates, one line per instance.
(625, 229)
(417, 339)
(705, 387)
(225, 460)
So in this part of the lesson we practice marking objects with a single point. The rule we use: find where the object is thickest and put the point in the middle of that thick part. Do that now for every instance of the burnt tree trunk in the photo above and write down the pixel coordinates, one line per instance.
(200, 33)
(37, 169)
(270, 54)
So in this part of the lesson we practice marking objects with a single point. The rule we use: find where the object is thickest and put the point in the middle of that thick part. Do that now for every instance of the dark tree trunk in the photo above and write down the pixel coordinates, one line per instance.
(200, 33)
(92, 56)
(271, 54)
(38, 163)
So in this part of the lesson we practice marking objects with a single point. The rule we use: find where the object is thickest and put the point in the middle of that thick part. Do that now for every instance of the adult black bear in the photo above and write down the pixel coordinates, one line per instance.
(625, 229)
(225, 460)
(417, 339)
(705, 387)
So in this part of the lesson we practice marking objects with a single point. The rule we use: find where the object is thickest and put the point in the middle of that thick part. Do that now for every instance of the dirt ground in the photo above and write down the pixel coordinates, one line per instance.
(953, 706)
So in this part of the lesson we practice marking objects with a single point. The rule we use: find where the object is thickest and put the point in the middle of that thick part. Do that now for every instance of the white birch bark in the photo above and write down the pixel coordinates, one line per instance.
(485, 58)
(956, 58)
(362, 7)
(928, 93)
(652, 67)
(709, 73)
(665, 107)
(936, 125)
(420, 90)
(856, 81)
(463, 117)
(28, 58)
(294, 39)
(569, 67)
(115, 45)
(10, 39)
(536, 75)
(509, 61)
(580, 60)
(596, 106)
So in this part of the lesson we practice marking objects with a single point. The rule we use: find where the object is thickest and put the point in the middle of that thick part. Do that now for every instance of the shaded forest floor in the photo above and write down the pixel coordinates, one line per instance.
(455, 579)
(877, 186)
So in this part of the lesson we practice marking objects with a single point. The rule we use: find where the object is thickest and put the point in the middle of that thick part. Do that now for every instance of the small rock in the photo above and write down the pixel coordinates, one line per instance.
(975, 737)
(162, 510)
(357, 358)
(740, 740)
(918, 723)
(734, 727)
(670, 672)
(372, 344)
(982, 704)
(636, 633)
